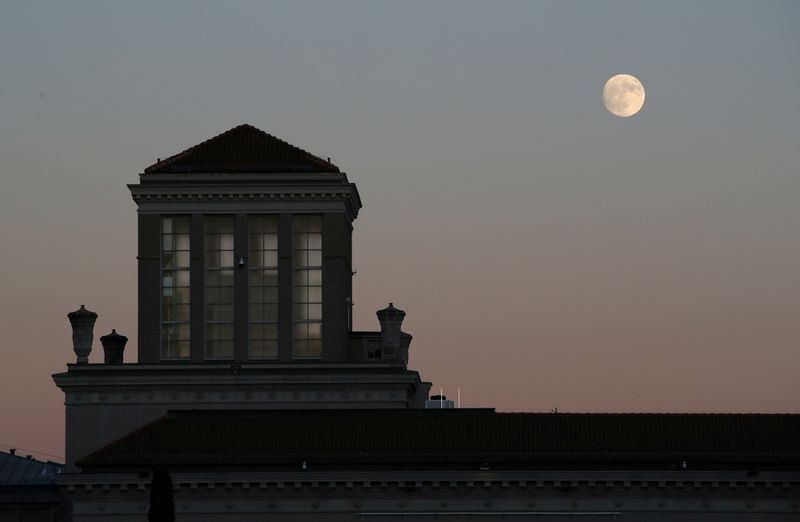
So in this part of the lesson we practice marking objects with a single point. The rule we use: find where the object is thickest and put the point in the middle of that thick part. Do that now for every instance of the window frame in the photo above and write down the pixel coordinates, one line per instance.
(165, 324)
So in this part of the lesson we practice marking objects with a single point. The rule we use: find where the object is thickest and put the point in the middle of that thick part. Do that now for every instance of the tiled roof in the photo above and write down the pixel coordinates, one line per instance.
(16, 470)
(243, 149)
(456, 438)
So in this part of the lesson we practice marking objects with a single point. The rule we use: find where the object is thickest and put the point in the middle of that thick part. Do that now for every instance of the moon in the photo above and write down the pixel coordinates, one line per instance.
(623, 95)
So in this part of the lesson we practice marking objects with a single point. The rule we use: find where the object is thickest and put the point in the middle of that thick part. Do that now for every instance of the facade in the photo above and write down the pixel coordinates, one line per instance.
(245, 295)
(253, 390)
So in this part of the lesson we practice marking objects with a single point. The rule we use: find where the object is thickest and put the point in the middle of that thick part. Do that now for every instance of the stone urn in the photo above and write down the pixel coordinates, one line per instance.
(113, 346)
(391, 320)
(82, 321)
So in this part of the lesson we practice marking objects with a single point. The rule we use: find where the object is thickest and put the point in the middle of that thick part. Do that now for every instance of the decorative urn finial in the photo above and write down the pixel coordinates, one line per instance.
(82, 321)
(391, 320)
(113, 346)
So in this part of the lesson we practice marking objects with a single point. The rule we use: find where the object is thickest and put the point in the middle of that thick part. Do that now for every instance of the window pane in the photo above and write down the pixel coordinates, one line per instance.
(226, 258)
(314, 348)
(314, 312)
(182, 259)
(181, 241)
(270, 258)
(226, 294)
(182, 313)
(271, 241)
(270, 294)
(301, 331)
(256, 295)
(181, 278)
(263, 349)
(307, 286)
(182, 349)
(226, 277)
(182, 295)
(175, 287)
(300, 258)
(300, 348)
(300, 294)
(262, 283)
(315, 258)
(314, 330)
(219, 282)
(212, 259)
(271, 331)
(256, 278)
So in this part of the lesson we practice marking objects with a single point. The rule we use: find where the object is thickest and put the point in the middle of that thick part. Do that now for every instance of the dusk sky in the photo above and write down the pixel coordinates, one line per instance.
(547, 253)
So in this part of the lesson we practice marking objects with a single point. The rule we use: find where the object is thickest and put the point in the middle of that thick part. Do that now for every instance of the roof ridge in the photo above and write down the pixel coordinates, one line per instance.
(313, 160)
(185, 152)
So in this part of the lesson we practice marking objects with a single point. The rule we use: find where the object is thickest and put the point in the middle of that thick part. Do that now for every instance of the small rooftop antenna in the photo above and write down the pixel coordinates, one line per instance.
(441, 398)
(459, 397)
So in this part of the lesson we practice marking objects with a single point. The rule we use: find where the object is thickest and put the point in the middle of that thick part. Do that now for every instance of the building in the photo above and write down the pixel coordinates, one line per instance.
(253, 390)
(28, 490)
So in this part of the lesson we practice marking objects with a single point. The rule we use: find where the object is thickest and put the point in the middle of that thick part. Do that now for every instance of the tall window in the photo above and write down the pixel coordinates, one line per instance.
(175, 287)
(219, 286)
(307, 287)
(263, 287)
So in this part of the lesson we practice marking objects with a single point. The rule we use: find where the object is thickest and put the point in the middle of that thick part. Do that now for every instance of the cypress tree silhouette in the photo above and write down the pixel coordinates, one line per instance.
(162, 503)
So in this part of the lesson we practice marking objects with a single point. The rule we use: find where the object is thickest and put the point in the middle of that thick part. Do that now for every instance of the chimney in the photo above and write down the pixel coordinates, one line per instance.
(113, 346)
(12, 451)
(391, 320)
(82, 321)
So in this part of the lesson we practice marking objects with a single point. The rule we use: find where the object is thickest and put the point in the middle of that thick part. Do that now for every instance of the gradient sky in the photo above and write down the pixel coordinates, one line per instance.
(548, 254)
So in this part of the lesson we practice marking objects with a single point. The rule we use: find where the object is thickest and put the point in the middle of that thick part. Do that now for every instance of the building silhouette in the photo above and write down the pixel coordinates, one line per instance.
(253, 390)
(28, 490)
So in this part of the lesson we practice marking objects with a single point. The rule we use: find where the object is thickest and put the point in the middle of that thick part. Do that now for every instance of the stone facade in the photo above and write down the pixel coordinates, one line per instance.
(104, 404)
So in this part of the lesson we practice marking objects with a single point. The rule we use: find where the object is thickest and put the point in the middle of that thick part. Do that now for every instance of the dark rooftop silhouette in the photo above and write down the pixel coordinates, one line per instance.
(242, 149)
(420, 438)
(18, 470)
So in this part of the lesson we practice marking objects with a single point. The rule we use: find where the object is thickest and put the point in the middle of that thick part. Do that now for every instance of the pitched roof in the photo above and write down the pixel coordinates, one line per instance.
(455, 438)
(16, 470)
(243, 149)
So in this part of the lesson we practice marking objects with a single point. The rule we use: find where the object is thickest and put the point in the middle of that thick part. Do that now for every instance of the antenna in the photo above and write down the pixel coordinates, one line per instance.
(441, 398)
(459, 397)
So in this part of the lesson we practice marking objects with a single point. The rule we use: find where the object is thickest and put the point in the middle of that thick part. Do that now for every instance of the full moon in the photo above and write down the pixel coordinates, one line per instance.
(623, 95)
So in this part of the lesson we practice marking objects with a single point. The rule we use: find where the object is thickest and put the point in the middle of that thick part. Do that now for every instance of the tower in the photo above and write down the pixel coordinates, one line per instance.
(244, 297)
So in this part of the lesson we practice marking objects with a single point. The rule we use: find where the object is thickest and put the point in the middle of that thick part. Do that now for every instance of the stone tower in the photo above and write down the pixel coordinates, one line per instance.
(245, 293)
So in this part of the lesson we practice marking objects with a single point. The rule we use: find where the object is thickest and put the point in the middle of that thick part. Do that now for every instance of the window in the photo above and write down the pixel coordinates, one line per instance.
(219, 264)
(263, 287)
(307, 287)
(175, 331)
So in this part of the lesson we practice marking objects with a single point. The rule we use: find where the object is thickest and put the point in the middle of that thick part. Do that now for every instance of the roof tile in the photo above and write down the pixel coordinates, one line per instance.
(458, 437)
(243, 149)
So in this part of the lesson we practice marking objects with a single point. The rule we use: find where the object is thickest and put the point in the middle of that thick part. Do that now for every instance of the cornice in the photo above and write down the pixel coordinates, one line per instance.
(199, 193)
(566, 481)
